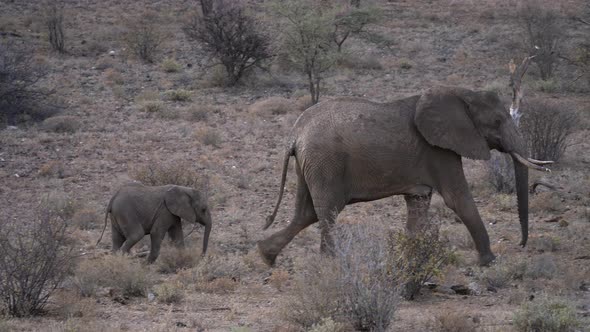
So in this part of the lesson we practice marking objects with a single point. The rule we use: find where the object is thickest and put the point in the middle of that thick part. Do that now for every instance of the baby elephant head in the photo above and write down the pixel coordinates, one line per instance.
(190, 205)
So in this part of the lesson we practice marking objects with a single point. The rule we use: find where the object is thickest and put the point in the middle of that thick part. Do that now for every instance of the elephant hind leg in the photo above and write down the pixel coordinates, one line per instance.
(118, 239)
(131, 240)
(304, 216)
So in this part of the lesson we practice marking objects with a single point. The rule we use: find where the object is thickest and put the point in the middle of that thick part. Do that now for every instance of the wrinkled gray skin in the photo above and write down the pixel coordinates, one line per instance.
(137, 210)
(352, 150)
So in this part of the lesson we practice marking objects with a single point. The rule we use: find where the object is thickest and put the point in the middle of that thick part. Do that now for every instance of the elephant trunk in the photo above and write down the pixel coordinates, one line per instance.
(521, 174)
(206, 235)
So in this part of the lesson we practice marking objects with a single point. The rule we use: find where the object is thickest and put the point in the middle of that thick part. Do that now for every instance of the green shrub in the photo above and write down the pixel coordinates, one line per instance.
(414, 260)
(173, 259)
(546, 315)
(503, 272)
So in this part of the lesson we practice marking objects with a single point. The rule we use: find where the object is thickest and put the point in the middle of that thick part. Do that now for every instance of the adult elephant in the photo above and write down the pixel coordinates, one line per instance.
(137, 210)
(352, 150)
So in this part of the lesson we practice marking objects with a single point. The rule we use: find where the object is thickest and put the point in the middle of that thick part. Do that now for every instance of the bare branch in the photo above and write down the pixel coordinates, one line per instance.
(516, 75)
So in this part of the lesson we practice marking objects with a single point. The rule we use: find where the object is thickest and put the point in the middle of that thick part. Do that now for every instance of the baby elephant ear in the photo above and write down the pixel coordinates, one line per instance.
(178, 203)
(442, 117)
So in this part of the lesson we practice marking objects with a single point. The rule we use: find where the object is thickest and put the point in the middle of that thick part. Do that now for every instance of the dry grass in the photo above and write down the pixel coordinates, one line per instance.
(543, 266)
(172, 259)
(53, 168)
(170, 292)
(152, 106)
(120, 273)
(209, 136)
(547, 315)
(179, 95)
(170, 66)
(547, 201)
(272, 106)
(163, 173)
(86, 218)
(503, 272)
(279, 279)
(65, 124)
(453, 320)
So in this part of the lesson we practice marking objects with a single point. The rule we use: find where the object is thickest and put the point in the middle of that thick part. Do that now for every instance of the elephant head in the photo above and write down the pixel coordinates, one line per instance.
(471, 123)
(190, 205)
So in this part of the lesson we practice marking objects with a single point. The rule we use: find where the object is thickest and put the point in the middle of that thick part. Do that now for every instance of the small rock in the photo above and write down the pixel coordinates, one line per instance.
(563, 223)
(492, 289)
(180, 324)
(430, 285)
(474, 288)
(112, 53)
(151, 296)
(554, 219)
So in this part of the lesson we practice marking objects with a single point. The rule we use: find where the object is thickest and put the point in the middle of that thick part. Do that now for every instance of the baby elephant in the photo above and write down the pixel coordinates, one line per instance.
(137, 210)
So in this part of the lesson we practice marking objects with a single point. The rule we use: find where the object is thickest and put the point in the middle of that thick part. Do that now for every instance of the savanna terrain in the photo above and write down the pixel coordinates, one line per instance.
(122, 119)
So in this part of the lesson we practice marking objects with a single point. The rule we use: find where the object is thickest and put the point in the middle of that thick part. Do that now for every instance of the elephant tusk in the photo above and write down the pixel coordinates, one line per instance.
(540, 162)
(528, 163)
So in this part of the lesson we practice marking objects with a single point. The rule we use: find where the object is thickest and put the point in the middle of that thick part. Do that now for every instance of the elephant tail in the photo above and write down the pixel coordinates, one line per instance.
(290, 152)
(106, 216)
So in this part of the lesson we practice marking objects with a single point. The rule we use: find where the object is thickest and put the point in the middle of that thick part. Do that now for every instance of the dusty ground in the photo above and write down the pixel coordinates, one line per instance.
(443, 42)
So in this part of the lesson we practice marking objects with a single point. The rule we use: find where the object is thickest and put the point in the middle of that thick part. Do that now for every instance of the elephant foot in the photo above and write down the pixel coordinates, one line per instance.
(486, 259)
(268, 258)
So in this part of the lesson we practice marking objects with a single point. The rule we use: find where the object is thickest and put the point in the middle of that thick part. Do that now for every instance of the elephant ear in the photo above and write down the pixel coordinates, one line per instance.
(179, 204)
(442, 117)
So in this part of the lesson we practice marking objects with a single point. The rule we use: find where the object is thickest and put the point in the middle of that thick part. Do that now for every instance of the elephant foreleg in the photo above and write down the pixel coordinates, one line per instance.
(457, 197)
(176, 235)
(156, 243)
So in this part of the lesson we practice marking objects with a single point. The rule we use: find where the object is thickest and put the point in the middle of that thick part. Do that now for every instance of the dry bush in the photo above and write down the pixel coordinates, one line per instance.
(53, 19)
(59, 204)
(272, 106)
(118, 272)
(71, 305)
(170, 66)
(86, 218)
(546, 127)
(34, 260)
(200, 113)
(545, 314)
(414, 260)
(143, 36)
(452, 320)
(21, 97)
(208, 136)
(179, 95)
(169, 292)
(316, 294)
(231, 35)
(173, 259)
(354, 287)
(500, 172)
(543, 34)
(61, 124)
(503, 272)
(542, 266)
(164, 173)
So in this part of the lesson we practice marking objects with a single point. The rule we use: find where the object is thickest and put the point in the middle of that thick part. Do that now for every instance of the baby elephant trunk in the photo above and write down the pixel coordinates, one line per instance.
(207, 222)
